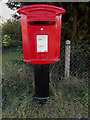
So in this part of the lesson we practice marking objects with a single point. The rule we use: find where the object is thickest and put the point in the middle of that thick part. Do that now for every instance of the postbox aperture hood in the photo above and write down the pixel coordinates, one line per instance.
(26, 9)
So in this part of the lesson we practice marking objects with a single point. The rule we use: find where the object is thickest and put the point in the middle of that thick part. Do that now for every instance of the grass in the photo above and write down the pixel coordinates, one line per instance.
(68, 99)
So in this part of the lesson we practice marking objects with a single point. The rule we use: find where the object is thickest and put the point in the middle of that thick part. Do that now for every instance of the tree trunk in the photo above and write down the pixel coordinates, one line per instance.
(74, 30)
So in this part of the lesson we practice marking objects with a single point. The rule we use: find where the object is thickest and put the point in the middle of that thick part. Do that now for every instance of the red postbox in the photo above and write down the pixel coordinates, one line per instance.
(41, 33)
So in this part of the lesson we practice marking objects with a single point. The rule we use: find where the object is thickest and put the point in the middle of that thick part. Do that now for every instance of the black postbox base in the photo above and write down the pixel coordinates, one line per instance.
(41, 82)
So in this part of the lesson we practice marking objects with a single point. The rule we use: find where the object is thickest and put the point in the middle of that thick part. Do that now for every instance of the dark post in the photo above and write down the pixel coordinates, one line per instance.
(41, 82)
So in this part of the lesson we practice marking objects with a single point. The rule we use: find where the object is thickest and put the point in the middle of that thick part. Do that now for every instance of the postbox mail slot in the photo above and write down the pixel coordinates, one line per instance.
(42, 22)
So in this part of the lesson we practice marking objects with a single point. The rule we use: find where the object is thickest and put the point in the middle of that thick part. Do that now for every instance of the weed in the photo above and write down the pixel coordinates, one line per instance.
(68, 99)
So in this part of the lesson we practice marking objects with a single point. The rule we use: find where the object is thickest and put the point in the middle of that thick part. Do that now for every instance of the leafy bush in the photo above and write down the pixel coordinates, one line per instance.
(15, 43)
(12, 28)
(6, 41)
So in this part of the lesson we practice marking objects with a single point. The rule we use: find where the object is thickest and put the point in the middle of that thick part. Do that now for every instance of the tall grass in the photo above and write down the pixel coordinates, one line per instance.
(68, 99)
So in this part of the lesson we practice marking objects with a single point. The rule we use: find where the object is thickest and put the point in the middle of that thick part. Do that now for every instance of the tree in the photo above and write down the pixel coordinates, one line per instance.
(12, 28)
(75, 21)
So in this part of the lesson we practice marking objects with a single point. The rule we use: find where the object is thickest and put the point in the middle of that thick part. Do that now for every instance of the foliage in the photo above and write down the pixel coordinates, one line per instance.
(74, 22)
(6, 41)
(11, 33)
(12, 29)
(68, 98)
(15, 43)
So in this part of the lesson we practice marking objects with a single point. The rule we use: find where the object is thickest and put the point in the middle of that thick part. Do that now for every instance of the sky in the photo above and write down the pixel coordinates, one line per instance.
(5, 12)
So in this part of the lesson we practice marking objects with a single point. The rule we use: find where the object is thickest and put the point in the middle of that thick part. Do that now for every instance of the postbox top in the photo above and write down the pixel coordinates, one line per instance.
(26, 9)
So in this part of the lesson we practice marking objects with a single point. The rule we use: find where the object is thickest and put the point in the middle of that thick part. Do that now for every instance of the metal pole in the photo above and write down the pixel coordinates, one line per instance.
(67, 59)
(41, 82)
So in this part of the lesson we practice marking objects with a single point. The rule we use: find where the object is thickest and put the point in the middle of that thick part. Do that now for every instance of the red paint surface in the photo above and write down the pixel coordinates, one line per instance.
(41, 13)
